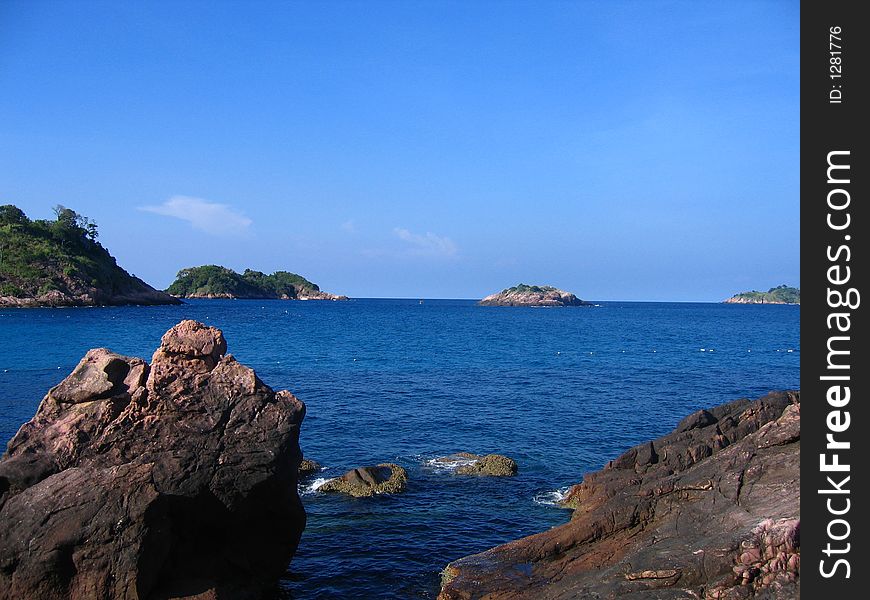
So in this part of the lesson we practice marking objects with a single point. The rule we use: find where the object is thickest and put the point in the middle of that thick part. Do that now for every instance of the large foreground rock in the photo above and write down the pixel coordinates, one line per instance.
(147, 482)
(711, 510)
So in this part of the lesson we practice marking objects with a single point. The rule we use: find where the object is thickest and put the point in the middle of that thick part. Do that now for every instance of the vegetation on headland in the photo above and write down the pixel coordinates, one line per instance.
(60, 262)
(782, 294)
(214, 281)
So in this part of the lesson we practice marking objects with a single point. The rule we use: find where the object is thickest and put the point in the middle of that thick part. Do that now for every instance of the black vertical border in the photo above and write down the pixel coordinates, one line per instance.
(825, 127)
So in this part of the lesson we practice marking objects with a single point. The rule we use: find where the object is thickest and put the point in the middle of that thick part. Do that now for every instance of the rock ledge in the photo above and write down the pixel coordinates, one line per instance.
(711, 510)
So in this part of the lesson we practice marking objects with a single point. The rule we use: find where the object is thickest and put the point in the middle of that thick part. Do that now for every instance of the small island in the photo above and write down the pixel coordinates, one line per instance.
(61, 263)
(214, 281)
(782, 294)
(533, 295)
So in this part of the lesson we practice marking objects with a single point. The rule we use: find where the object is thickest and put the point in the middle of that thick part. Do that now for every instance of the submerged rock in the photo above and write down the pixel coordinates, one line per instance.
(385, 478)
(711, 510)
(494, 465)
(161, 481)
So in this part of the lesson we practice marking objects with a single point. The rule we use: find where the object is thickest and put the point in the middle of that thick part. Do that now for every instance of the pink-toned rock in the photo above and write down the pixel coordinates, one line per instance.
(195, 340)
(169, 481)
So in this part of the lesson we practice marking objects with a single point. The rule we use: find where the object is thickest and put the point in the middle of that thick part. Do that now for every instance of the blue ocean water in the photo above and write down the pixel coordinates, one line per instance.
(560, 390)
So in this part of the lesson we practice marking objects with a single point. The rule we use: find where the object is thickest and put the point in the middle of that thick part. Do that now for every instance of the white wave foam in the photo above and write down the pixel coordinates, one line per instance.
(552, 497)
(448, 464)
(312, 487)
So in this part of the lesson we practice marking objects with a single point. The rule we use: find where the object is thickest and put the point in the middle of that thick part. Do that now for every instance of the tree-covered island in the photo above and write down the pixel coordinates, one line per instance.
(782, 294)
(214, 281)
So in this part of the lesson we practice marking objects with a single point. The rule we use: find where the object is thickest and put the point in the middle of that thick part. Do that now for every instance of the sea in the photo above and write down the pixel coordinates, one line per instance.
(560, 390)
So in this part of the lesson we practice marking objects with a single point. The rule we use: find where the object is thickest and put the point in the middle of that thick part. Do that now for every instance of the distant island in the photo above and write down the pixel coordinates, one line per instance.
(779, 295)
(214, 281)
(533, 295)
(61, 263)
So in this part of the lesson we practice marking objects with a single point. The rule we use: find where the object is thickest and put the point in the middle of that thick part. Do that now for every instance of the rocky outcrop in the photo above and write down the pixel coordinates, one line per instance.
(169, 480)
(711, 510)
(385, 478)
(493, 465)
(308, 467)
(533, 295)
(312, 295)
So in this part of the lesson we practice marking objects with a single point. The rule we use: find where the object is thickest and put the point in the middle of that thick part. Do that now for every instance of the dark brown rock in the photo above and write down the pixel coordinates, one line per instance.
(153, 482)
(711, 510)
(701, 418)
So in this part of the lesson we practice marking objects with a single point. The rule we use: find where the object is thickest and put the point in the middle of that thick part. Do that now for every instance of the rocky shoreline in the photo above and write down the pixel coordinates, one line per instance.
(146, 296)
(711, 510)
(302, 296)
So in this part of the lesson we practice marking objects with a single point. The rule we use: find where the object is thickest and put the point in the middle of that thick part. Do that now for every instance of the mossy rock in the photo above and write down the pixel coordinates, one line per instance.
(385, 478)
(448, 574)
(308, 467)
(573, 499)
(493, 465)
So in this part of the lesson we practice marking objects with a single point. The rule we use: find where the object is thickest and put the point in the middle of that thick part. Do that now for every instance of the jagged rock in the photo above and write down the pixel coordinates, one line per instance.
(711, 510)
(141, 482)
(701, 418)
(385, 478)
(308, 467)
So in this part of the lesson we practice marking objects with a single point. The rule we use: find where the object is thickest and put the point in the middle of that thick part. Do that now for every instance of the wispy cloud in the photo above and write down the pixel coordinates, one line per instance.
(428, 244)
(349, 226)
(211, 217)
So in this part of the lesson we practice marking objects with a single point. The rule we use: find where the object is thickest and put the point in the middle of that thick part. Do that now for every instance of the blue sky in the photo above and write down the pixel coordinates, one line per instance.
(620, 150)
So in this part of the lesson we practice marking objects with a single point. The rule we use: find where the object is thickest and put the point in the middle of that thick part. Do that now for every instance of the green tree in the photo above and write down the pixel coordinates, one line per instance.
(72, 223)
(12, 215)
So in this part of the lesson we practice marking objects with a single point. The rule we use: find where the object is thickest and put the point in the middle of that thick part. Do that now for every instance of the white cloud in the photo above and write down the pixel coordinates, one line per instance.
(211, 217)
(348, 226)
(428, 244)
